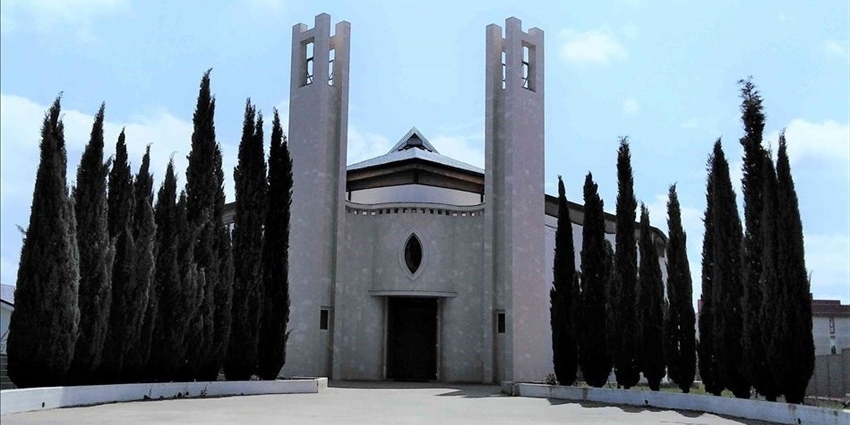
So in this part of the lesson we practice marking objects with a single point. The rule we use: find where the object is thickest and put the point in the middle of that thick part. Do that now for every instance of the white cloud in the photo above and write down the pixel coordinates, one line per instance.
(782, 17)
(826, 260)
(46, 15)
(630, 106)
(468, 149)
(591, 46)
(365, 145)
(630, 31)
(691, 123)
(835, 48)
(827, 142)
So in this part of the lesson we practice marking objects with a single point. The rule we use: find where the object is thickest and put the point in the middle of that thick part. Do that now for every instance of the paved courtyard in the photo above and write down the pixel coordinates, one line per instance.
(368, 403)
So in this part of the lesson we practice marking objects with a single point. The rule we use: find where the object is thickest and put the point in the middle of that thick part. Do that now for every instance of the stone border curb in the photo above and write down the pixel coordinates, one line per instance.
(32, 399)
(782, 413)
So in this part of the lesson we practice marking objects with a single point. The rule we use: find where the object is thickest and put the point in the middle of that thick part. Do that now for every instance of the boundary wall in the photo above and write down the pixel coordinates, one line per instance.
(32, 399)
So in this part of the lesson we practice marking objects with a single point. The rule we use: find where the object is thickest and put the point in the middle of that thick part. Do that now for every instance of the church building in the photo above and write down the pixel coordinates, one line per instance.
(413, 265)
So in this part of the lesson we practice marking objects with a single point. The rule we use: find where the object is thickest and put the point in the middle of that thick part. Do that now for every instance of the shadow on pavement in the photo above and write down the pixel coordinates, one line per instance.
(638, 409)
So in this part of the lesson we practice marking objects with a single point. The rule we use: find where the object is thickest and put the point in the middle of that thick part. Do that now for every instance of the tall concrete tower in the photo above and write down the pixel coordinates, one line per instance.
(318, 137)
(514, 206)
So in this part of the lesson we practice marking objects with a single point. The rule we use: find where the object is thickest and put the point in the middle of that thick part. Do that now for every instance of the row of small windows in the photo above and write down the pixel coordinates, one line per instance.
(405, 210)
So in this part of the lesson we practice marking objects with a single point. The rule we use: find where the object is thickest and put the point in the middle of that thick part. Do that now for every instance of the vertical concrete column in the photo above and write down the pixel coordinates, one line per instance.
(318, 123)
(514, 211)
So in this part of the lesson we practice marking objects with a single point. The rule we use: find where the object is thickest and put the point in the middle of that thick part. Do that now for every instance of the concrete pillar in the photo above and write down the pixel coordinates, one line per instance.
(514, 245)
(318, 135)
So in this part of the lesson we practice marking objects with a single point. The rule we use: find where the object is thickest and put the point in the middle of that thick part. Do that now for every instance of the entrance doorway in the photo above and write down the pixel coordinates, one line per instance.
(412, 339)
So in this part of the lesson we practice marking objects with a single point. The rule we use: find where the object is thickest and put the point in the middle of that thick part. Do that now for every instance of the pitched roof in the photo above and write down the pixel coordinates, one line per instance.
(414, 146)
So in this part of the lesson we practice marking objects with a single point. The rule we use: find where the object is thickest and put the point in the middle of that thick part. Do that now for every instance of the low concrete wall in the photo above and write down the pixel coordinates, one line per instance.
(30, 399)
(749, 409)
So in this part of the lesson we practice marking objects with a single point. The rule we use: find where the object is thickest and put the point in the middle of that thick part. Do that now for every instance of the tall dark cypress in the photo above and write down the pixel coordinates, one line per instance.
(707, 357)
(202, 187)
(626, 367)
(275, 317)
(144, 235)
(251, 188)
(192, 282)
(797, 299)
(96, 255)
(169, 333)
(44, 326)
(593, 352)
(650, 307)
(679, 327)
(565, 357)
(771, 314)
(727, 283)
(217, 345)
(611, 277)
(754, 355)
(129, 287)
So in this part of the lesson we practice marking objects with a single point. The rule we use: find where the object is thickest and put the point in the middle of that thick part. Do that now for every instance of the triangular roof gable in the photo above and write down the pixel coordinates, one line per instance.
(413, 139)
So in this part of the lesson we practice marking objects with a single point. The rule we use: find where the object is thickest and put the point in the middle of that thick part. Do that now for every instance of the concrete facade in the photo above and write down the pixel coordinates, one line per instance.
(476, 244)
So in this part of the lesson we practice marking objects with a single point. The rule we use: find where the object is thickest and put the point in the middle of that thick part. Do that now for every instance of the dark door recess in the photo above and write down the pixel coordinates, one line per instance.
(412, 339)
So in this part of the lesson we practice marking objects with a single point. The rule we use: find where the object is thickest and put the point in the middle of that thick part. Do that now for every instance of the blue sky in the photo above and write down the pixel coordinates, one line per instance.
(662, 72)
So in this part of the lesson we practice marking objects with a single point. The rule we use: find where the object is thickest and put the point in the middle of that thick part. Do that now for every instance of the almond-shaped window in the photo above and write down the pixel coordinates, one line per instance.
(413, 253)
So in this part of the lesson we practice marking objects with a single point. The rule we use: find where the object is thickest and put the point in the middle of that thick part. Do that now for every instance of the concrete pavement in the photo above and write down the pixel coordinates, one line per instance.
(368, 403)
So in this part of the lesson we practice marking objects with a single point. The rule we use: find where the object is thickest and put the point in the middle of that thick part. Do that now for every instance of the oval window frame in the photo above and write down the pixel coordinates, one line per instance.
(402, 255)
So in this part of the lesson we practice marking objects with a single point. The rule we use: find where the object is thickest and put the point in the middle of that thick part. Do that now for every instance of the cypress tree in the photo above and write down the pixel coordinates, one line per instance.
(727, 280)
(193, 282)
(129, 287)
(752, 185)
(707, 357)
(218, 329)
(169, 333)
(651, 307)
(796, 299)
(144, 234)
(771, 313)
(275, 317)
(611, 277)
(251, 188)
(593, 354)
(120, 201)
(679, 333)
(563, 333)
(626, 367)
(202, 187)
(96, 255)
(44, 326)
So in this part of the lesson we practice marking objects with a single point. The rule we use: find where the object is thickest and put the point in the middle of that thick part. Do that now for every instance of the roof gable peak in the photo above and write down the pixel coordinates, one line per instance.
(413, 139)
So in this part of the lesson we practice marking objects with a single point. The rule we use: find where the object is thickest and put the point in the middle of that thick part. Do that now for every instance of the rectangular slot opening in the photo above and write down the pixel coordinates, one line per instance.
(331, 56)
(308, 63)
(500, 323)
(324, 319)
(527, 70)
(504, 71)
